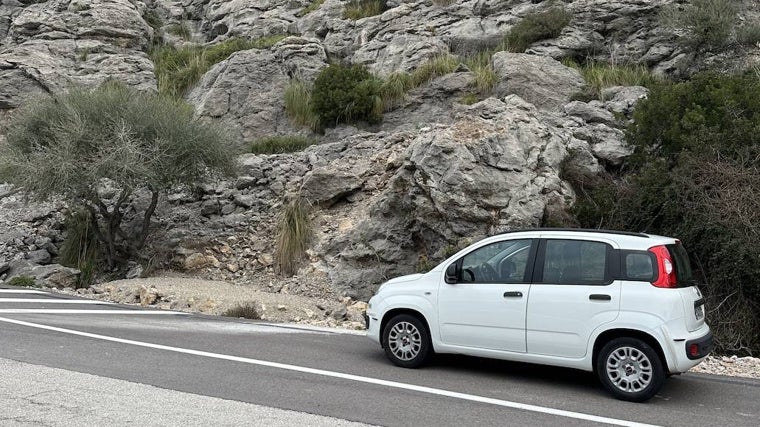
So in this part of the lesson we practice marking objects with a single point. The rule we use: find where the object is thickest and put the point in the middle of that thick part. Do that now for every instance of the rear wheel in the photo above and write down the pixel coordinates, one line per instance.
(630, 369)
(407, 341)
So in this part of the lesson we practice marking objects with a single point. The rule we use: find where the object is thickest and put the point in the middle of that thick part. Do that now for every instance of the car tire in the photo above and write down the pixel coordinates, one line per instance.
(406, 341)
(630, 369)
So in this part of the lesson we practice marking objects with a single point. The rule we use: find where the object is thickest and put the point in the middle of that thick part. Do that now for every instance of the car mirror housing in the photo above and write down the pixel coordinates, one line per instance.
(452, 273)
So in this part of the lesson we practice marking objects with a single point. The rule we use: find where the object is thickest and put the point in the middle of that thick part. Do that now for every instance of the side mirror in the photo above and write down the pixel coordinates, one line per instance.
(452, 273)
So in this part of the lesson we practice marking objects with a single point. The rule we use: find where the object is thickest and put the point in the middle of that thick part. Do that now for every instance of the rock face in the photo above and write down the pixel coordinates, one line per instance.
(540, 80)
(48, 47)
(386, 200)
(247, 90)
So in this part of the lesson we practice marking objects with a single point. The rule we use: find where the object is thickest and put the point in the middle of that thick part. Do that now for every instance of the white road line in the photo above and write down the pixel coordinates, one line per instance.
(350, 377)
(66, 311)
(55, 301)
(21, 291)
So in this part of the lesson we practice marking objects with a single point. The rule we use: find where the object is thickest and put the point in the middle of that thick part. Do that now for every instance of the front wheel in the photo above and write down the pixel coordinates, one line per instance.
(407, 341)
(630, 369)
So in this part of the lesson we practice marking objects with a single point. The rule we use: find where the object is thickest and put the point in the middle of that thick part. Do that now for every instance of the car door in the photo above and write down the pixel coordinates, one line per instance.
(573, 293)
(485, 306)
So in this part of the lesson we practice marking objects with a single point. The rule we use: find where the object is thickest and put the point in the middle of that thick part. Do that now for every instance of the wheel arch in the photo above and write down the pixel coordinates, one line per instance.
(612, 334)
(390, 314)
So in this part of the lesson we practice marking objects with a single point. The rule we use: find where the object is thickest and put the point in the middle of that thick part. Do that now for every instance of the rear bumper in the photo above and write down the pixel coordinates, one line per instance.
(700, 347)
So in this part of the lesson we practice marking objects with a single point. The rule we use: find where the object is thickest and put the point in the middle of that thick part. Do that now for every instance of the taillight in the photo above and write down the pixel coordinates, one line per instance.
(667, 271)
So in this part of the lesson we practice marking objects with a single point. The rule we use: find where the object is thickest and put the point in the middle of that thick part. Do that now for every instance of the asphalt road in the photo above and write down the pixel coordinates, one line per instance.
(340, 375)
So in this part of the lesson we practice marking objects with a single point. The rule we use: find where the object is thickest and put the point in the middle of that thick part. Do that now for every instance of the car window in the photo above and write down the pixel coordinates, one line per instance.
(500, 262)
(575, 262)
(639, 266)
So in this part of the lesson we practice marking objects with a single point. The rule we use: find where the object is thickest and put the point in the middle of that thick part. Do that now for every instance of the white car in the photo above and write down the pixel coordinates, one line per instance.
(623, 305)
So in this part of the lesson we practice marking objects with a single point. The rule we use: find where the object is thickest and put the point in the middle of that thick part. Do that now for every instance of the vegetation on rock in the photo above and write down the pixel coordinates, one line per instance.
(537, 26)
(102, 149)
(80, 247)
(177, 70)
(346, 94)
(600, 75)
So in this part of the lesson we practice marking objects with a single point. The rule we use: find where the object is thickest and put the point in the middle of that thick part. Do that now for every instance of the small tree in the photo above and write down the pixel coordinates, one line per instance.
(72, 144)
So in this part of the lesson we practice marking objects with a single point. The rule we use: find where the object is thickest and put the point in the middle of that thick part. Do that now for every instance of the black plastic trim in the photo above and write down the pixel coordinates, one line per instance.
(704, 345)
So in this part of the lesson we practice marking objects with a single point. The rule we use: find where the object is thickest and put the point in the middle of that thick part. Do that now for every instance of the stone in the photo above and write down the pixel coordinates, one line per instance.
(135, 271)
(52, 275)
(40, 256)
(197, 261)
(148, 296)
(542, 81)
(266, 260)
(589, 112)
(326, 186)
(233, 267)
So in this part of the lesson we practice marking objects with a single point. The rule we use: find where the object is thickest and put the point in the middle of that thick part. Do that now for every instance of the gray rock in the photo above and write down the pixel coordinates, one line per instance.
(40, 256)
(246, 91)
(53, 275)
(542, 81)
(591, 112)
(326, 186)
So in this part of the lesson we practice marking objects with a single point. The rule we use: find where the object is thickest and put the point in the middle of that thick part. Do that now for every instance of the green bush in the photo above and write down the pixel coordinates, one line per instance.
(294, 233)
(68, 145)
(346, 94)
(358, 9)
(703, 24)
(695, 177)
(298, 105)
(394, 88)
(281, 144)
(749, 35)
(710, 112)
(23, 282)
(485, 76)
(177, 70)
(535, 27)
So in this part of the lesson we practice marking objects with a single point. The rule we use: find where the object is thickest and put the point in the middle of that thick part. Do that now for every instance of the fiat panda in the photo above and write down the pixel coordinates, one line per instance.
(622, 305)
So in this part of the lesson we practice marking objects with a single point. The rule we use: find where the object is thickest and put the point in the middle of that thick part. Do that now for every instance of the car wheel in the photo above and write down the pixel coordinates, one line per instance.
(630, 369)
(407, 341)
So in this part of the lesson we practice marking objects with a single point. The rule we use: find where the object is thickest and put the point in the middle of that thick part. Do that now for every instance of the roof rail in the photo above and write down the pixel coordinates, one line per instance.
(584, 230)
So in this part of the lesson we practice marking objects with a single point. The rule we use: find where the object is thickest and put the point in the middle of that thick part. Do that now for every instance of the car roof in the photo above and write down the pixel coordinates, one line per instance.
(626, 239)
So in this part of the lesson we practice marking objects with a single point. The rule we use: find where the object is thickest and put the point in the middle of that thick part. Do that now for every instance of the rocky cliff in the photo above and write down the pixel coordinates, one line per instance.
(387, 199)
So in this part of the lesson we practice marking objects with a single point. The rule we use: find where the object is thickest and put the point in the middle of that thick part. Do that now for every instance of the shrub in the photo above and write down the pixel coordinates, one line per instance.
(358, 9)
(23, 282)
(710, 112)
(485, 76)
(281, 144)
(80, 246)
(694, 177)
(177, 70)
(535, 27)
(703, 24)
(245, 311)
(298, 105)
(346, 94)
(68, 145)
(469, 99)
(601, 75)
(294, 232)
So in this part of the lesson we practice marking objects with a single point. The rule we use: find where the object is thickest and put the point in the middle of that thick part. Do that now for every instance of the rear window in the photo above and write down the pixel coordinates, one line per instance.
(683, 266)
(639, 266)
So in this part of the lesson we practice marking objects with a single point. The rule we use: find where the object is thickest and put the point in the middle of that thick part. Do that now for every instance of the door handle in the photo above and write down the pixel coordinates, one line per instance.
(600, 297)
(513, 294)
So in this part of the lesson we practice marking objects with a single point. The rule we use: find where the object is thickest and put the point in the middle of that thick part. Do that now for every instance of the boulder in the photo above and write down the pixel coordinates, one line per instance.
(542, 81)
(325, 186)
(53, 275)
